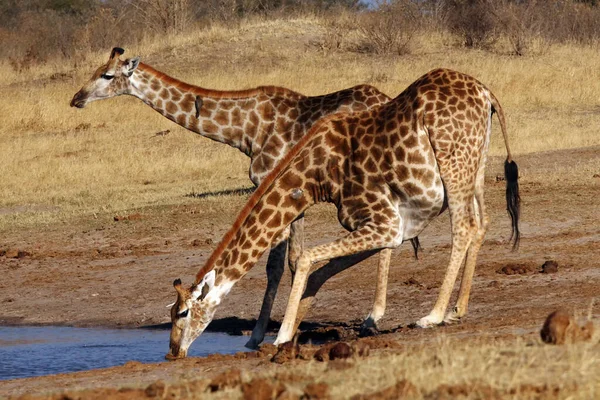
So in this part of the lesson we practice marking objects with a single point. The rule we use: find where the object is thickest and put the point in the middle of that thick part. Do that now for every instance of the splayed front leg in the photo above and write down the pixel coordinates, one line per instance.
(361, 240)
(275, 267)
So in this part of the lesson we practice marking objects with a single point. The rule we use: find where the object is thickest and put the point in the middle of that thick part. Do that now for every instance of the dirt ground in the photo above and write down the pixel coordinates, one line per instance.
(118, 272)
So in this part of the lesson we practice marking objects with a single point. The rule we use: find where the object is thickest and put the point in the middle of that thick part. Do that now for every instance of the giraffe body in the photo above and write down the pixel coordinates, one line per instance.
(263, 123)
(389, 170)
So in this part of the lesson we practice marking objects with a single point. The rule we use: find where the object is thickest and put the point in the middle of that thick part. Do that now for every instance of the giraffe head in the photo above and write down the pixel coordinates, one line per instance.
(190, 315)
(111, 79)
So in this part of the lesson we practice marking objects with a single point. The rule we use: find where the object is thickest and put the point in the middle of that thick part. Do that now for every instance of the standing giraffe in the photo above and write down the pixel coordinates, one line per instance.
(263, 123)
(390, 171)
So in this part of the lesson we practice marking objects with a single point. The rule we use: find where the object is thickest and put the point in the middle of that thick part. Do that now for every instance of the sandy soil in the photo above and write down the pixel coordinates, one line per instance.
(103, 272)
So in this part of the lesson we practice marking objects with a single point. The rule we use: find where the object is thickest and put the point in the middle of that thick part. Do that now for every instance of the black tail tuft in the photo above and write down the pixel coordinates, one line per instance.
(416, 246)
(513, 200)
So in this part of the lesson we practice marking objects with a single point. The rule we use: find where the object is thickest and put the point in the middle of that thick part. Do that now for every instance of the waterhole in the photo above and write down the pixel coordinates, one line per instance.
(35, 351)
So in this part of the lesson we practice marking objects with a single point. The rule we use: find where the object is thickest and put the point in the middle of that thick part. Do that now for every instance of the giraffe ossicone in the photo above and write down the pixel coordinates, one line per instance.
(390, 171)
(264, 123)
(296, 193)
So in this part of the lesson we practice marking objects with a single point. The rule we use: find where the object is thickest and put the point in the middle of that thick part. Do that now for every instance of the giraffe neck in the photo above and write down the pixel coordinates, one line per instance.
(230, 117)
(281, 197)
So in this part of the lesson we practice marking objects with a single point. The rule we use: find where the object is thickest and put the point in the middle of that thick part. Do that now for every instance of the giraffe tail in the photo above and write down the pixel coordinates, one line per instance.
(511, 175)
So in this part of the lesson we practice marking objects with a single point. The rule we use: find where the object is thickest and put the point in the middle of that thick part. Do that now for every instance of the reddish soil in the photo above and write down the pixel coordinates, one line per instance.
(119, 271)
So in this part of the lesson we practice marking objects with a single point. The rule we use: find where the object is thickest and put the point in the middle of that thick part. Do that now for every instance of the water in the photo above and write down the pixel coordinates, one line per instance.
(35, 351)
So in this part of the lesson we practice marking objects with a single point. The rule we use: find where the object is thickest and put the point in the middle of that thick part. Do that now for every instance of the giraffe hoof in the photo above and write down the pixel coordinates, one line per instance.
(428, 322)
(252, 344)
(367, 331)
(452, 318)
(279, 341)
(368, 328)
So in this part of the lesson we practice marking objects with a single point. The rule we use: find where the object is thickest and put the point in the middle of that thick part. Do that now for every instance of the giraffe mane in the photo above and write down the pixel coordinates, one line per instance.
(264, 186)
(220, 94)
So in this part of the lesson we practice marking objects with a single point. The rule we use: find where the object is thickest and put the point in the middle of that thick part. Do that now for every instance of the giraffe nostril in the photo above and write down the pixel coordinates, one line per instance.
(78, 100)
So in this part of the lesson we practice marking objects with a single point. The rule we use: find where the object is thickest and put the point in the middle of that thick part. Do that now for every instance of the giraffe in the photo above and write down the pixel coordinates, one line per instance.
(390, 171)
(263, 123)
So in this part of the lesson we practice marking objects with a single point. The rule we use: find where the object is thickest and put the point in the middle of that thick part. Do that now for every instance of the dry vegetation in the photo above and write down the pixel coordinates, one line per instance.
(58, 161)
(482, 368)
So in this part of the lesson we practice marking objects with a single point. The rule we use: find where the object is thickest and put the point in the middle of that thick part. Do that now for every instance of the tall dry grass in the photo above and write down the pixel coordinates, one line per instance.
(60, 162)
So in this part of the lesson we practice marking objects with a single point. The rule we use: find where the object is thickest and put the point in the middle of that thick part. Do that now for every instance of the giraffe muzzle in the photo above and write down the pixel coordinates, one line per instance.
(175, 355)
(79, 100)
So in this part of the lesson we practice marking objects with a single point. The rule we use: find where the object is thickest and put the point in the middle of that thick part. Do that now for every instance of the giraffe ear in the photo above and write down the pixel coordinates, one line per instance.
(130, 65)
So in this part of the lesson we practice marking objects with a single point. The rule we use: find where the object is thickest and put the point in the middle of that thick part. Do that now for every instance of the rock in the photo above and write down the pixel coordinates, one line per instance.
(131, 217)
(230, 378)
(134, 217)
(155, 389)
(340, 351)
(401, 390)
(260, 389)
(268, 350)
(286, 352)
(555, 328)
(560, 328)
(550, 267)
(360, 349)
(513, 269)
(307, 352)
(316, 391)
(11, 253)
(322, 354)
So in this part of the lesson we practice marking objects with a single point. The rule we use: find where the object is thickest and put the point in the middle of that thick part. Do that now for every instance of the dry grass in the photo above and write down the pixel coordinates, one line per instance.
(476, 368)
(61, 162)
(448, 368)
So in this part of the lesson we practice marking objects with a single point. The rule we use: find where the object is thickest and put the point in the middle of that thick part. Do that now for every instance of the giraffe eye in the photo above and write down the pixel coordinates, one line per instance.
(183, 314)
(107, 76)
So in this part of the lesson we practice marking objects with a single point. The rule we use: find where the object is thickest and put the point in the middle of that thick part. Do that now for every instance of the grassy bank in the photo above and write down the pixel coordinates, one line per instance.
(59, 161)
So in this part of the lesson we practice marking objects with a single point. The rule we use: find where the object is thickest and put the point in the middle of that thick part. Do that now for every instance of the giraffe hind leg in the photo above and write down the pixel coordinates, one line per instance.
(482, 221)
(369, 326)
(463, 232)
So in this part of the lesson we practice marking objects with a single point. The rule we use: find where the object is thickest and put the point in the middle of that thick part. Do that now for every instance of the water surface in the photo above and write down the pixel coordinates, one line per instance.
(34, 351)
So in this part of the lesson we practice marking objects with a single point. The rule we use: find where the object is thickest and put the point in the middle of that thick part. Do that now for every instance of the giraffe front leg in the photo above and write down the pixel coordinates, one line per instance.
(318, 277)
(369, 326)
(275, 267)
(368, 237)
